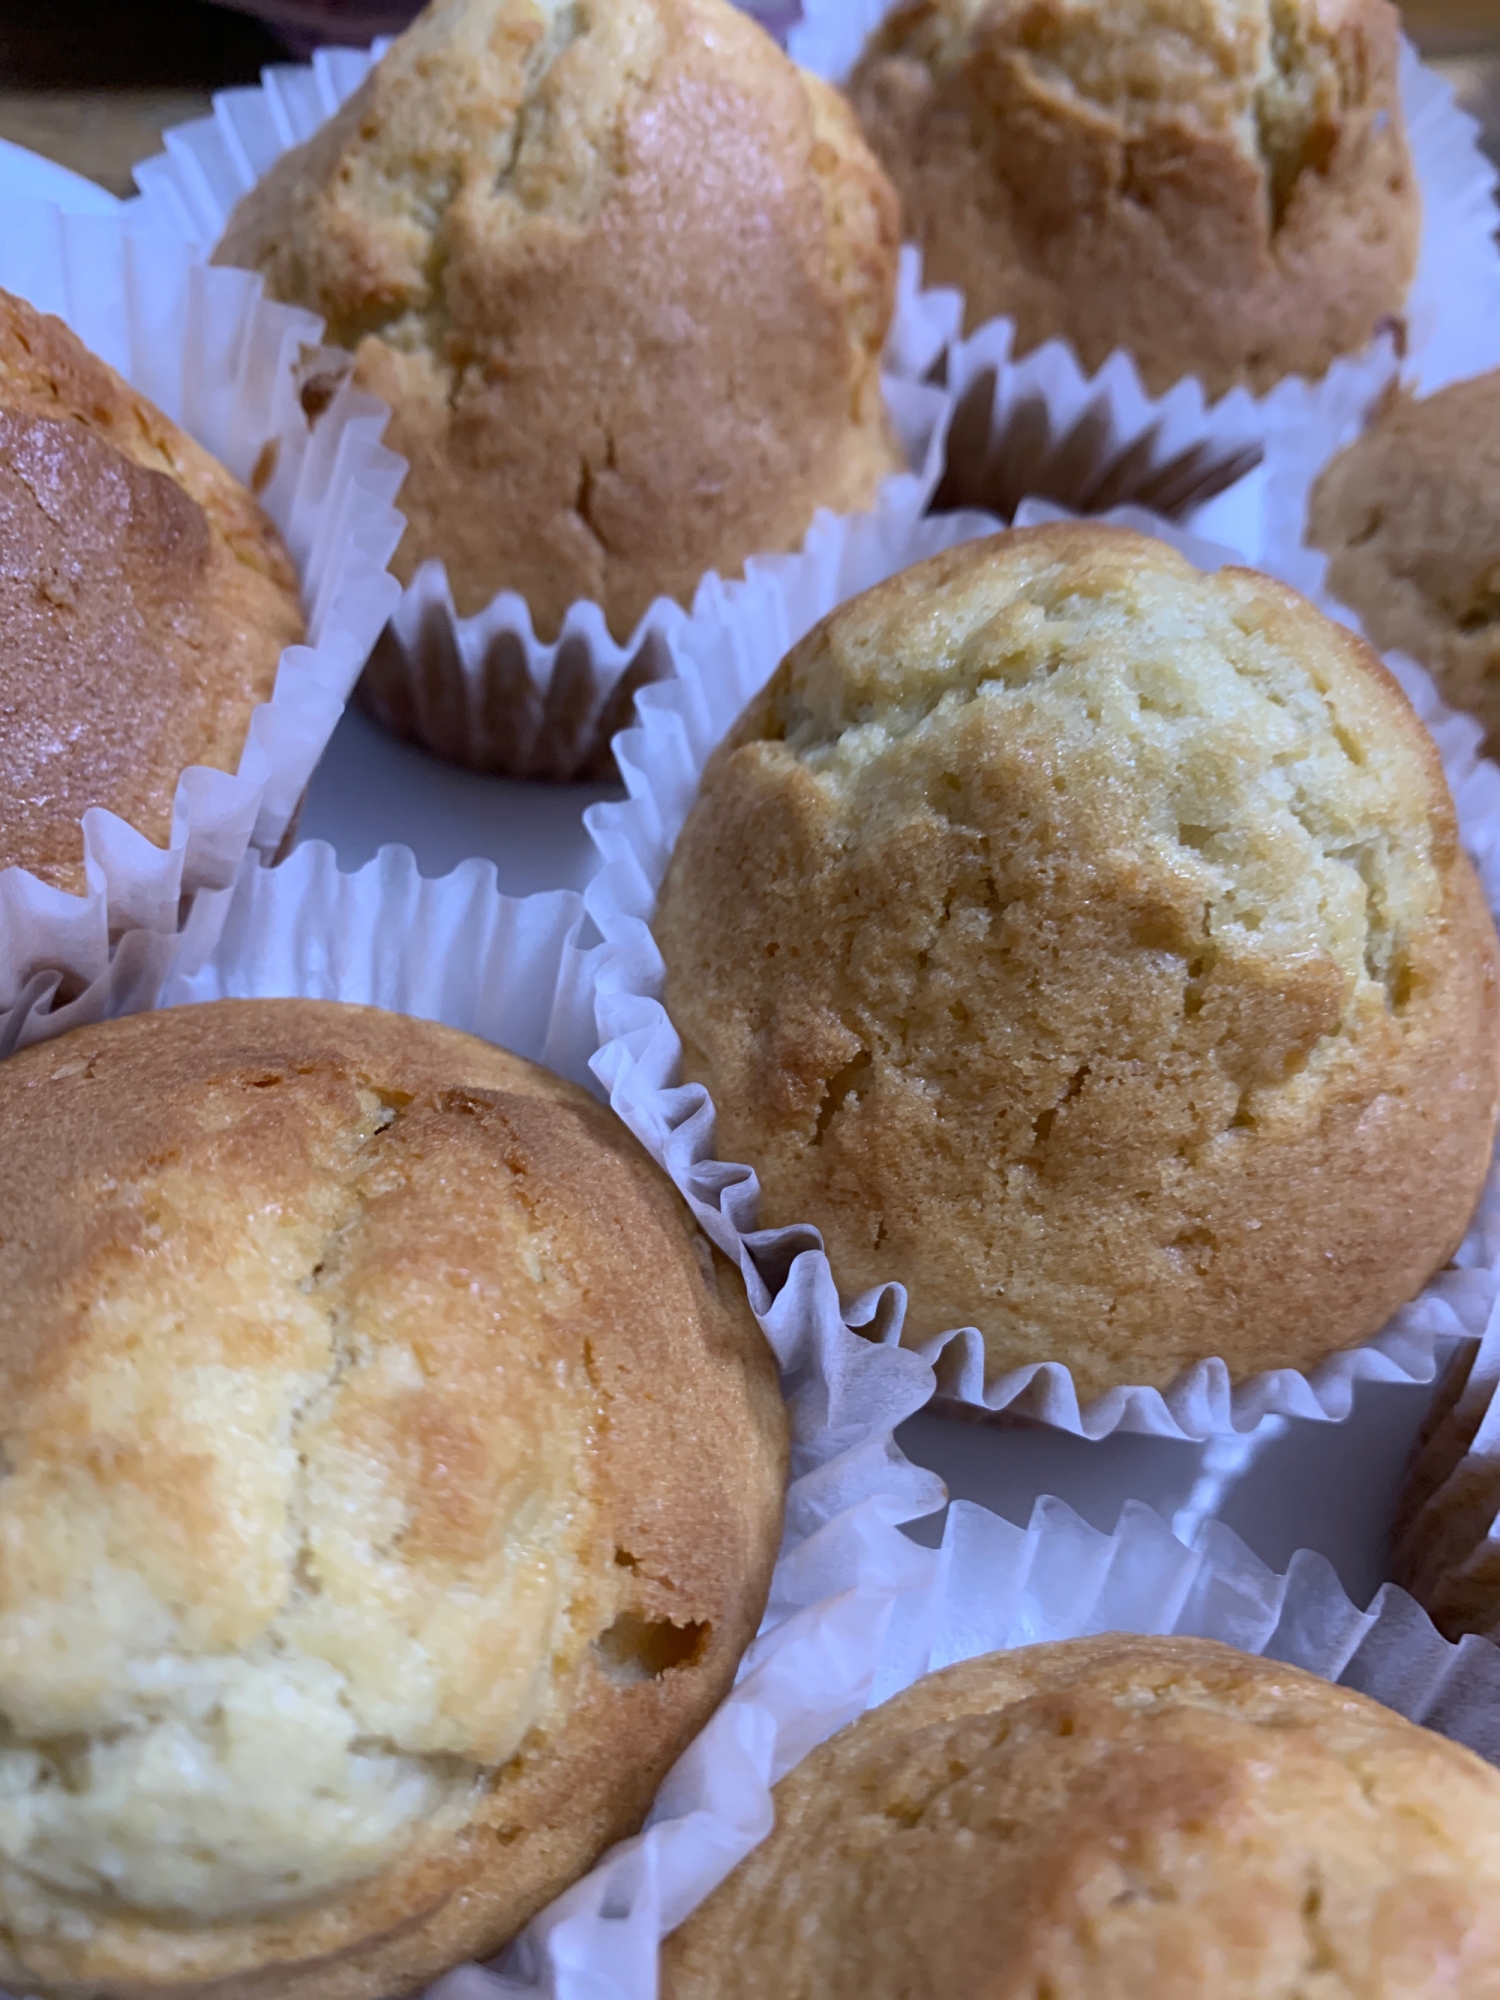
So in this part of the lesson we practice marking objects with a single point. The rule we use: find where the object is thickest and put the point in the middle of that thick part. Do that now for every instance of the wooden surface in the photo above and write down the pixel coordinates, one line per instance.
(92, 83)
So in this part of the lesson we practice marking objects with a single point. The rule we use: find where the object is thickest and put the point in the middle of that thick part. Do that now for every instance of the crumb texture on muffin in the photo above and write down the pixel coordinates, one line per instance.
(1147, 1819)
(1084, 942)
(391, 1485)
(145, 601)
(1220, 187)
(623, 274)
(1409, 518)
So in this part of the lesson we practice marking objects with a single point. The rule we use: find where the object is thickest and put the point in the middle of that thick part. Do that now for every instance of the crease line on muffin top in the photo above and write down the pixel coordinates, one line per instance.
(403, 322)
(429, 1790)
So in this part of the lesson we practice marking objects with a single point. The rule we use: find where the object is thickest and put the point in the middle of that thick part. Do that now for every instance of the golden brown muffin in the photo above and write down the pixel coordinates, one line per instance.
(623, 274)
(393, 1483)
(1220, 187)
(145, 600)
(1085, 942)
(1409, 518)
(1115, 1819)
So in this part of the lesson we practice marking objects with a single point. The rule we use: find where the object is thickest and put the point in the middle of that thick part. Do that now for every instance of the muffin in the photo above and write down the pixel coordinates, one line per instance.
(145, 601)
(1114, 1819)
(1084, 942)
(1220, 187)
(623, 274)
(1409, 518)
(394, 1479)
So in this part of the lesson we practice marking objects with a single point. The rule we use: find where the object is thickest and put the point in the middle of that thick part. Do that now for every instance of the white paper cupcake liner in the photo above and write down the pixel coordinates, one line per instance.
(520, 973)
(1042, 426)
(991, 1586)
(484, 690)
(721, 661)
(231, 369)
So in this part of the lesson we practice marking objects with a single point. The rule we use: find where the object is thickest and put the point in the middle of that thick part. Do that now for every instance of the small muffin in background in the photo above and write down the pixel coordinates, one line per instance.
(1114, 1819)
(145, 602)
(393, 1482)
(1084, 942)
(1222, 188)
(623, 274)
(1409, 518)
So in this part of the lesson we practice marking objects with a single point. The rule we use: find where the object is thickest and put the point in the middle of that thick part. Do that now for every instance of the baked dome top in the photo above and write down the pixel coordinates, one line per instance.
(393, 1480)
(1084, 942)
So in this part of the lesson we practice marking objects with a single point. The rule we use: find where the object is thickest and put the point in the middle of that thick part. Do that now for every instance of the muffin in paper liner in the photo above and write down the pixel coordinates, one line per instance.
(239, 374)
(1041, 426)
(990, 1586)
(484, 691)
(721, 662)
(522, 972)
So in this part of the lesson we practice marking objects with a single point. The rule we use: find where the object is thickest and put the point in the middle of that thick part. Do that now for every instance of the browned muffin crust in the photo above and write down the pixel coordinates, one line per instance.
(1085, 943)
(145, 600)
(1409, 518)
(1220, 187)
(355, 1369)
(623, 274)
(1114, 1819)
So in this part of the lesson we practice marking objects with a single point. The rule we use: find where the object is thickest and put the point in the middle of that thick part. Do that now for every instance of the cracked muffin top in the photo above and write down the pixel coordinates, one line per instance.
(623, 274)
(392, 1482)
(145, 601)
(1220, 187)
(1114, 1819)
(1084, 942)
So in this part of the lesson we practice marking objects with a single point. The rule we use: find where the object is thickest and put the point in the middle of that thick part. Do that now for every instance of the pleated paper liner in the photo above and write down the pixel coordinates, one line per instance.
(234, 371)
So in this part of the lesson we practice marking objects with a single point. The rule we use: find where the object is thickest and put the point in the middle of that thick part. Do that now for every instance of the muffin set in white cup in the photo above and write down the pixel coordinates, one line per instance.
(1036, 970)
